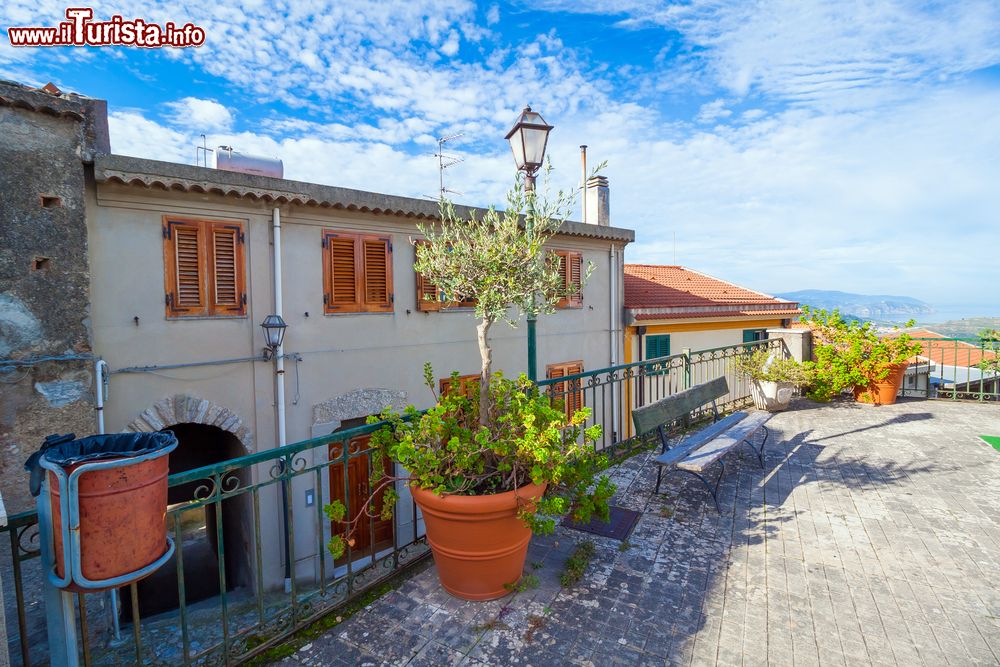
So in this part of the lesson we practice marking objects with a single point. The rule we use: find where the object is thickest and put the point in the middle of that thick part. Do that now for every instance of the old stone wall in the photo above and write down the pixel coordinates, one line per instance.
(46, 376)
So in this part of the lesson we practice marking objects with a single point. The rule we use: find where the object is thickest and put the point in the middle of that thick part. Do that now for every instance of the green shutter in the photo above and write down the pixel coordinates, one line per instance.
(657, 346)
(751, 335)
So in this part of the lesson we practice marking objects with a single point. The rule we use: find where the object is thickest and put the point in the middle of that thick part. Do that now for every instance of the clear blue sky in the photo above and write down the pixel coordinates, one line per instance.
(789, 145)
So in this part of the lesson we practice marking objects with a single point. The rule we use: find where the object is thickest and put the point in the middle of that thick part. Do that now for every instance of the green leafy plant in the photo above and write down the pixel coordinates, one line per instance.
(989, 340)
(513, 434)
(851, 354)
(766, 365)
(498, 259)
(577, 563)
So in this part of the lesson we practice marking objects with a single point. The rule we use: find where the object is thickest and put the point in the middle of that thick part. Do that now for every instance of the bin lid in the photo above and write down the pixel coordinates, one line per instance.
(66, 450)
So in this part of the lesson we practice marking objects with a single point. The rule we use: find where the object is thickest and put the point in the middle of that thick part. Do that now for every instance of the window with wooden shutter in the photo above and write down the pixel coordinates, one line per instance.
(377, 273)
(571, 270)
(204, 268)
(568, 394)
(429, 297)
(357, 273)
(657, 346)
(468, 386)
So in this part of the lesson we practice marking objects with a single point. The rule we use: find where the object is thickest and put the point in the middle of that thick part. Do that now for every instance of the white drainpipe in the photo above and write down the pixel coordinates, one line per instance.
(100, 373)
(613, 263)
(279, 383)
(279, 353)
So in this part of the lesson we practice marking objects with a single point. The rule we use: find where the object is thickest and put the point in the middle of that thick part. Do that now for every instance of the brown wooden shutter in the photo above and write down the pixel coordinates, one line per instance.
(574, 278)
(227, 278)
(569, 393)
(571, 269)
(184, 269)
(377, 258)
(341, 277)
(428, 295)
(574, 399)
(468, 386)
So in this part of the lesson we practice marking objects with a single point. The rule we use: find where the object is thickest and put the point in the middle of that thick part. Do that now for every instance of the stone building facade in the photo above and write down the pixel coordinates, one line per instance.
(46, 376)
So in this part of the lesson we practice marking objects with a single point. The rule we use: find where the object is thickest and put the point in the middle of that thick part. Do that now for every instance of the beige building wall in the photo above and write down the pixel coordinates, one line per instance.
(340, 354)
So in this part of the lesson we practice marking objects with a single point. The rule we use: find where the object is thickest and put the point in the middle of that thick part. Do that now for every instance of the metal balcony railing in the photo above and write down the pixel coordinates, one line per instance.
(223, 599)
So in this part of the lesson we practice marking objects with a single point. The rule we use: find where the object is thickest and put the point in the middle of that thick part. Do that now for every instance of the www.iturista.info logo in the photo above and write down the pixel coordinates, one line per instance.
(81, 30)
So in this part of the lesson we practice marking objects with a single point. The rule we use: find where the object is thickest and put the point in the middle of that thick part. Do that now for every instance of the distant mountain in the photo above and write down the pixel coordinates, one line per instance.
(865, 306)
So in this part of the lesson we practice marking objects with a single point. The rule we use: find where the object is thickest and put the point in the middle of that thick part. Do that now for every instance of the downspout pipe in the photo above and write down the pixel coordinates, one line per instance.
(100, 377)
(612, 276)
(279, 385)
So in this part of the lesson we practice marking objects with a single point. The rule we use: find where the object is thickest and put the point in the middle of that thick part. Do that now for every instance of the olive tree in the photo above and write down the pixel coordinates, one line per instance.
(498, 258)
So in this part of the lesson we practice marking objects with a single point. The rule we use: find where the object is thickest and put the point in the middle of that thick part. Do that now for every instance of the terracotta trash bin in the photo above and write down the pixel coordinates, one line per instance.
(106, 505)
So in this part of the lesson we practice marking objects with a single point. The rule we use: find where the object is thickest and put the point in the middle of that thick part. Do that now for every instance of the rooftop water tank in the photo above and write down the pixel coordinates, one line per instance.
(229, 160)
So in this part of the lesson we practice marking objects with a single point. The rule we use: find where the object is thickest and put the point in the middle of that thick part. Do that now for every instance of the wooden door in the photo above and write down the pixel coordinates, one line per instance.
(369, 533)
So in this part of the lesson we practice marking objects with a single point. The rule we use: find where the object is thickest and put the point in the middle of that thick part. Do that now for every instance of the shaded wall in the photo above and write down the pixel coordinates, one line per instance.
(45, 141)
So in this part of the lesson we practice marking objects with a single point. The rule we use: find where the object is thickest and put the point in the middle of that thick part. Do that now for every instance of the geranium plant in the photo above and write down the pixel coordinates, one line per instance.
(850, 353)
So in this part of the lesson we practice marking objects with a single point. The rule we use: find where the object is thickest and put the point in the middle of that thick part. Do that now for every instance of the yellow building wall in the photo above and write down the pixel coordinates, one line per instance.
(696, 335)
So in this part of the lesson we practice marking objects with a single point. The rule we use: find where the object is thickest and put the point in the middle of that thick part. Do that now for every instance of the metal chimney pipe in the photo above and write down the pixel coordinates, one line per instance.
(583, 198)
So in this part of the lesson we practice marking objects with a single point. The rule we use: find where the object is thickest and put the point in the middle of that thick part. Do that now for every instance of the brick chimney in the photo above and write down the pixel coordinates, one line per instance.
(598, 201)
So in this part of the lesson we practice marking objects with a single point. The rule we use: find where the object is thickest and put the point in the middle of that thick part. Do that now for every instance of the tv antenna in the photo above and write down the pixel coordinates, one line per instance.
(445, 161)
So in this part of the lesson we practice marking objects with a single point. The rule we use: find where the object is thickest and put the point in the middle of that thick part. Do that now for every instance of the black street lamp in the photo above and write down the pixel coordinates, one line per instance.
(274, 332)
(528, 139)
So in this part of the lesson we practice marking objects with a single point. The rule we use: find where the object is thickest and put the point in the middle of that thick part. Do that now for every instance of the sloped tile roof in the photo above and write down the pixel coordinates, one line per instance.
(949, 352)
(671, 292)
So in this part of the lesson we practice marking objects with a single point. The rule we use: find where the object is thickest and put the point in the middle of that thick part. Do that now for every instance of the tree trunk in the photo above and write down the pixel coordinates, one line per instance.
(482, 329)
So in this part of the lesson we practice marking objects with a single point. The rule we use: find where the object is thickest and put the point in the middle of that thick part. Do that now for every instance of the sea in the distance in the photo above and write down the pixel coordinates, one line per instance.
(948, 313)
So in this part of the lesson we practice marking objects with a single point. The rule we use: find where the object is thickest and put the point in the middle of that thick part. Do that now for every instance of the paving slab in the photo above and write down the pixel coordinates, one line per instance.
(870, 536)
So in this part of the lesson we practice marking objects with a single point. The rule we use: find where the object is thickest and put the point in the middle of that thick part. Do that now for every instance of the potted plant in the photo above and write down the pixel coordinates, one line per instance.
(850, 354)
(989, 343)
(773, 377)
(490, 466)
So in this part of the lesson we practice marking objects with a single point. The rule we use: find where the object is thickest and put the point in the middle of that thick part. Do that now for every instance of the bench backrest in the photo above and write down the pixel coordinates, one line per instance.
(678, 406)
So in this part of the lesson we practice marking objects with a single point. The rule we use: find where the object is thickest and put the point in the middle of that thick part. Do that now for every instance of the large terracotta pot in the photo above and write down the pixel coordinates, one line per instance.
(478, 542)
(885, 391)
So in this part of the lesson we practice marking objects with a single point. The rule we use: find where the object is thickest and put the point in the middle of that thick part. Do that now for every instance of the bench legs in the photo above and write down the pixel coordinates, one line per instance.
(713, 488)
(759, 452)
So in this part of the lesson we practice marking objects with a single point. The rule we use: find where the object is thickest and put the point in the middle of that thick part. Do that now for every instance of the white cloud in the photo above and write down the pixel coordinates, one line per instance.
(450, 46)
(201, 115)
(824, 144)
(713, 111)
(816, 53)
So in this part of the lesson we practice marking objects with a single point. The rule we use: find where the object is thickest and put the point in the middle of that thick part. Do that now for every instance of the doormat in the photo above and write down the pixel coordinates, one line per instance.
(619, 528)
(992, 440)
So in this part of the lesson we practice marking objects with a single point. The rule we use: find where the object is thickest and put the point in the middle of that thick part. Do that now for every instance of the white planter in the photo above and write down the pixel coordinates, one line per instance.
(771, 396)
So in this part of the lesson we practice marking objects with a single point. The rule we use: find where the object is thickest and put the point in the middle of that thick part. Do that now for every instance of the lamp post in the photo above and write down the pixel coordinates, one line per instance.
(528, 139)
(274, 335)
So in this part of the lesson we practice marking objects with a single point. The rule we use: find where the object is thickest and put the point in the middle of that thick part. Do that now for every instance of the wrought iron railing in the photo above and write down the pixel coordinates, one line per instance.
(232, 516)
(954, 368)
(611, 393)
(234, 505)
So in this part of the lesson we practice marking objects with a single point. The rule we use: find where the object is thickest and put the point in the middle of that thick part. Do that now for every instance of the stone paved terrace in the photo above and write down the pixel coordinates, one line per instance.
(871, 536)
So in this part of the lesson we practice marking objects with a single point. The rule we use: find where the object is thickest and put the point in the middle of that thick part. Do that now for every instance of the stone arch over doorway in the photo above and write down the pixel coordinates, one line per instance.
(187, 409)
(329, 415)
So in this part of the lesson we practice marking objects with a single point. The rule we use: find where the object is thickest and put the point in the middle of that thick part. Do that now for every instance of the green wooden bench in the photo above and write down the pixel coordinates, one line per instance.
(700, 450)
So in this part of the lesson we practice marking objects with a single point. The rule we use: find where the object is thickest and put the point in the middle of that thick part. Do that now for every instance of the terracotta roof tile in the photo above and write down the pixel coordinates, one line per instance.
(949, 352)
(761, 312)
(681, 292)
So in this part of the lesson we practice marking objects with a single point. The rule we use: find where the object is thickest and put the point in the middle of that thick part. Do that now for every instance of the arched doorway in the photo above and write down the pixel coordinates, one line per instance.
(200, 445)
